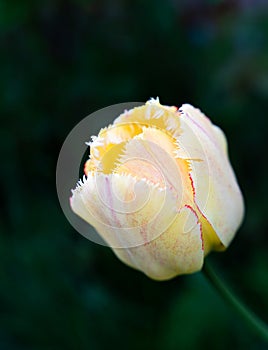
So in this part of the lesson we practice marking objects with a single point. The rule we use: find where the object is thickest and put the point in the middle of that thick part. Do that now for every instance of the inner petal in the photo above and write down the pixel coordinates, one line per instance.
(105, 148)
(153, 114)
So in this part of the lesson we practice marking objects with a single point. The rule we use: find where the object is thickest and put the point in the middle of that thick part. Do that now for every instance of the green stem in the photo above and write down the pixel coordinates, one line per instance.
(256, 324)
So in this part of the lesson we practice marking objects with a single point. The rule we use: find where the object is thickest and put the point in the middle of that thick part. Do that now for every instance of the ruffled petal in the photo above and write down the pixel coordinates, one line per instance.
(124, 210)
(153, 114)
(105, 147)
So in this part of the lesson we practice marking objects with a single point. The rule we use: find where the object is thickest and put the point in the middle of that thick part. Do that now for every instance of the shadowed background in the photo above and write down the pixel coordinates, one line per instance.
(59, 62)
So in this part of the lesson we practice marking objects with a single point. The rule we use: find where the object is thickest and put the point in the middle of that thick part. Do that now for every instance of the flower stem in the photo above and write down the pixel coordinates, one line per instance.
(253, 320)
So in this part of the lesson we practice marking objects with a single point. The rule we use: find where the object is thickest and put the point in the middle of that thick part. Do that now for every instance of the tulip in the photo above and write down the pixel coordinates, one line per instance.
(160, 190)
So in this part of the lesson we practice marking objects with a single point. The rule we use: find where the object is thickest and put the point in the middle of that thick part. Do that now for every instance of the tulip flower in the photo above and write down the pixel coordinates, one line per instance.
(160, 190)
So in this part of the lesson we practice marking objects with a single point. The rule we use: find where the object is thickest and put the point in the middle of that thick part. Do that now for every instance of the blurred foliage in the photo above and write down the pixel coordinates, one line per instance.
(60, 61)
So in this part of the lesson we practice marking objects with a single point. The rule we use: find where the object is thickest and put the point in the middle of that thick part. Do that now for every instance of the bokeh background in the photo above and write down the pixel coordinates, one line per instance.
(59, 62)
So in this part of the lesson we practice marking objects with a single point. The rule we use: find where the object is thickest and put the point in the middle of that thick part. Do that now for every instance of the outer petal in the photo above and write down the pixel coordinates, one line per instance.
(179, 250)
(125, 211)
(155, 236)
(216, 191)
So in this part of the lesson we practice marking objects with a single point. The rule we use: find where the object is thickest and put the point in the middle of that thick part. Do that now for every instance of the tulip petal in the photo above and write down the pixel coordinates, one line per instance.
(179, 250)
(109, 141)
(221, 139)
(217, 194)
(124, 210)
(153, 114)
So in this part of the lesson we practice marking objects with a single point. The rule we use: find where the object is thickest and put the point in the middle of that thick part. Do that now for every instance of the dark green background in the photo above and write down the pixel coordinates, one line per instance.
(62, 60)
